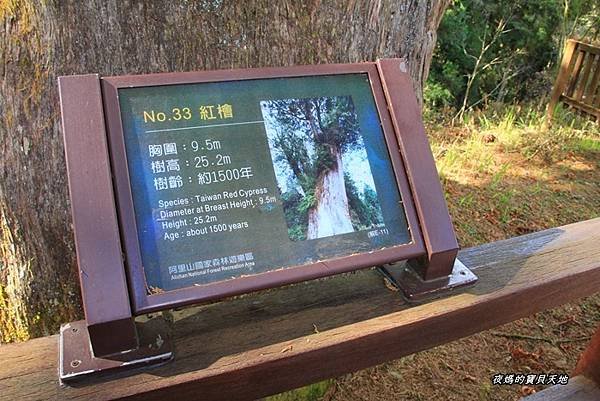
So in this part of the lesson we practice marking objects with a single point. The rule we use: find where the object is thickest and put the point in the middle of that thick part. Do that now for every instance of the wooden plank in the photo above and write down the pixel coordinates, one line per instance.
(566, 66)
(588, 48)
(585, 75)
(578, 389)
(593, 85)
(574, 74)
(596, 87)
(264, 343)
(581, 106)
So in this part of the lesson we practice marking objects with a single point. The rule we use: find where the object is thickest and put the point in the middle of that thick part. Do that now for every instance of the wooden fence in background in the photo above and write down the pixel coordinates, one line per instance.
(577, 82)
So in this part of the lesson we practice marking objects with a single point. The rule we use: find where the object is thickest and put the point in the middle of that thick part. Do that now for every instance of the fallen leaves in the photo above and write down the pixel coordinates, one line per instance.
(530, 359)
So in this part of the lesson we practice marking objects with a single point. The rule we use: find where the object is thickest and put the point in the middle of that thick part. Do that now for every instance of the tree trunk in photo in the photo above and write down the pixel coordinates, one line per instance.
(43, 40)
(330, 215)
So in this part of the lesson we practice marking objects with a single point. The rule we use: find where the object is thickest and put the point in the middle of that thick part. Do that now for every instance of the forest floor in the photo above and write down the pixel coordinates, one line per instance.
(504, 175)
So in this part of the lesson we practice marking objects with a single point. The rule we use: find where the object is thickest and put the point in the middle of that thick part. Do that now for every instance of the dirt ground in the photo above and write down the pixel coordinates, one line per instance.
(462, 370)
(500, 183)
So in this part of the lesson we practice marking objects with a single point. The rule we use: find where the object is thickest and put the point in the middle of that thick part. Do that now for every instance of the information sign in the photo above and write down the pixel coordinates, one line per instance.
(236, 178)
(192, 187)
(233, 181)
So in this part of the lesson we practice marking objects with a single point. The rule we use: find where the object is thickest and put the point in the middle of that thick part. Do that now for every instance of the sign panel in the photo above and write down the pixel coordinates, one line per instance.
(237, 178)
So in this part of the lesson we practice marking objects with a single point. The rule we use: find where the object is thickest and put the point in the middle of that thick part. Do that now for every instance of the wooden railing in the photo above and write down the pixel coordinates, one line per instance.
(577, 83)
(269, 342)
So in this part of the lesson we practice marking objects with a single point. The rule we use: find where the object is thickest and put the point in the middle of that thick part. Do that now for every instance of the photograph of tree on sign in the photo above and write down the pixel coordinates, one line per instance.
(321, 165)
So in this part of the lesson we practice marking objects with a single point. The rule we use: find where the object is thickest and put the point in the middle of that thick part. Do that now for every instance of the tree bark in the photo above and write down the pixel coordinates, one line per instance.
(40, 41)
(330, 215)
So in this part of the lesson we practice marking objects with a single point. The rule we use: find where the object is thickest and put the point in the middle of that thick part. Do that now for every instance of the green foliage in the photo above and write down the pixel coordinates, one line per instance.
(358, 210)
(324, 159)
(365, 211)
(508, 49)
(308, 180)
(297, 221)
(374, 214)
(436, 95)
(297, 233)
(307, 202)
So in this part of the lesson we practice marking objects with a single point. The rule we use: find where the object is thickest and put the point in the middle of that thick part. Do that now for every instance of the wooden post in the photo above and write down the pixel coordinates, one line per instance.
(563, 77)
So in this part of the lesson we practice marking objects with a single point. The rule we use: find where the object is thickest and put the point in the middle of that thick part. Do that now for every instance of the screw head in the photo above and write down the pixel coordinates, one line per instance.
(403, 66)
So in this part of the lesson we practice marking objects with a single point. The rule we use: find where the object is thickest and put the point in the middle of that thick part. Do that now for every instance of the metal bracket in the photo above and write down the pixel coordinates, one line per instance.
(402, 276)
(77, 361)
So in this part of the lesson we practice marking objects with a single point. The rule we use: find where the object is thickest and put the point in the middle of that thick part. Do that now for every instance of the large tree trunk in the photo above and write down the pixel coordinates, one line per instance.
(42, 40)
(330, 215)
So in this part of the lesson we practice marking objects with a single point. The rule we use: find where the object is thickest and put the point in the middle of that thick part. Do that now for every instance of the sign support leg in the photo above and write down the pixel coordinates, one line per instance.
(77, 360)
(410, 282)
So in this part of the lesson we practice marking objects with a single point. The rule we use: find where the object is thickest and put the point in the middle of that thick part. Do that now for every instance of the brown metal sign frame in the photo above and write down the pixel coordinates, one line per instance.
(144, 302)
(112, 278)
